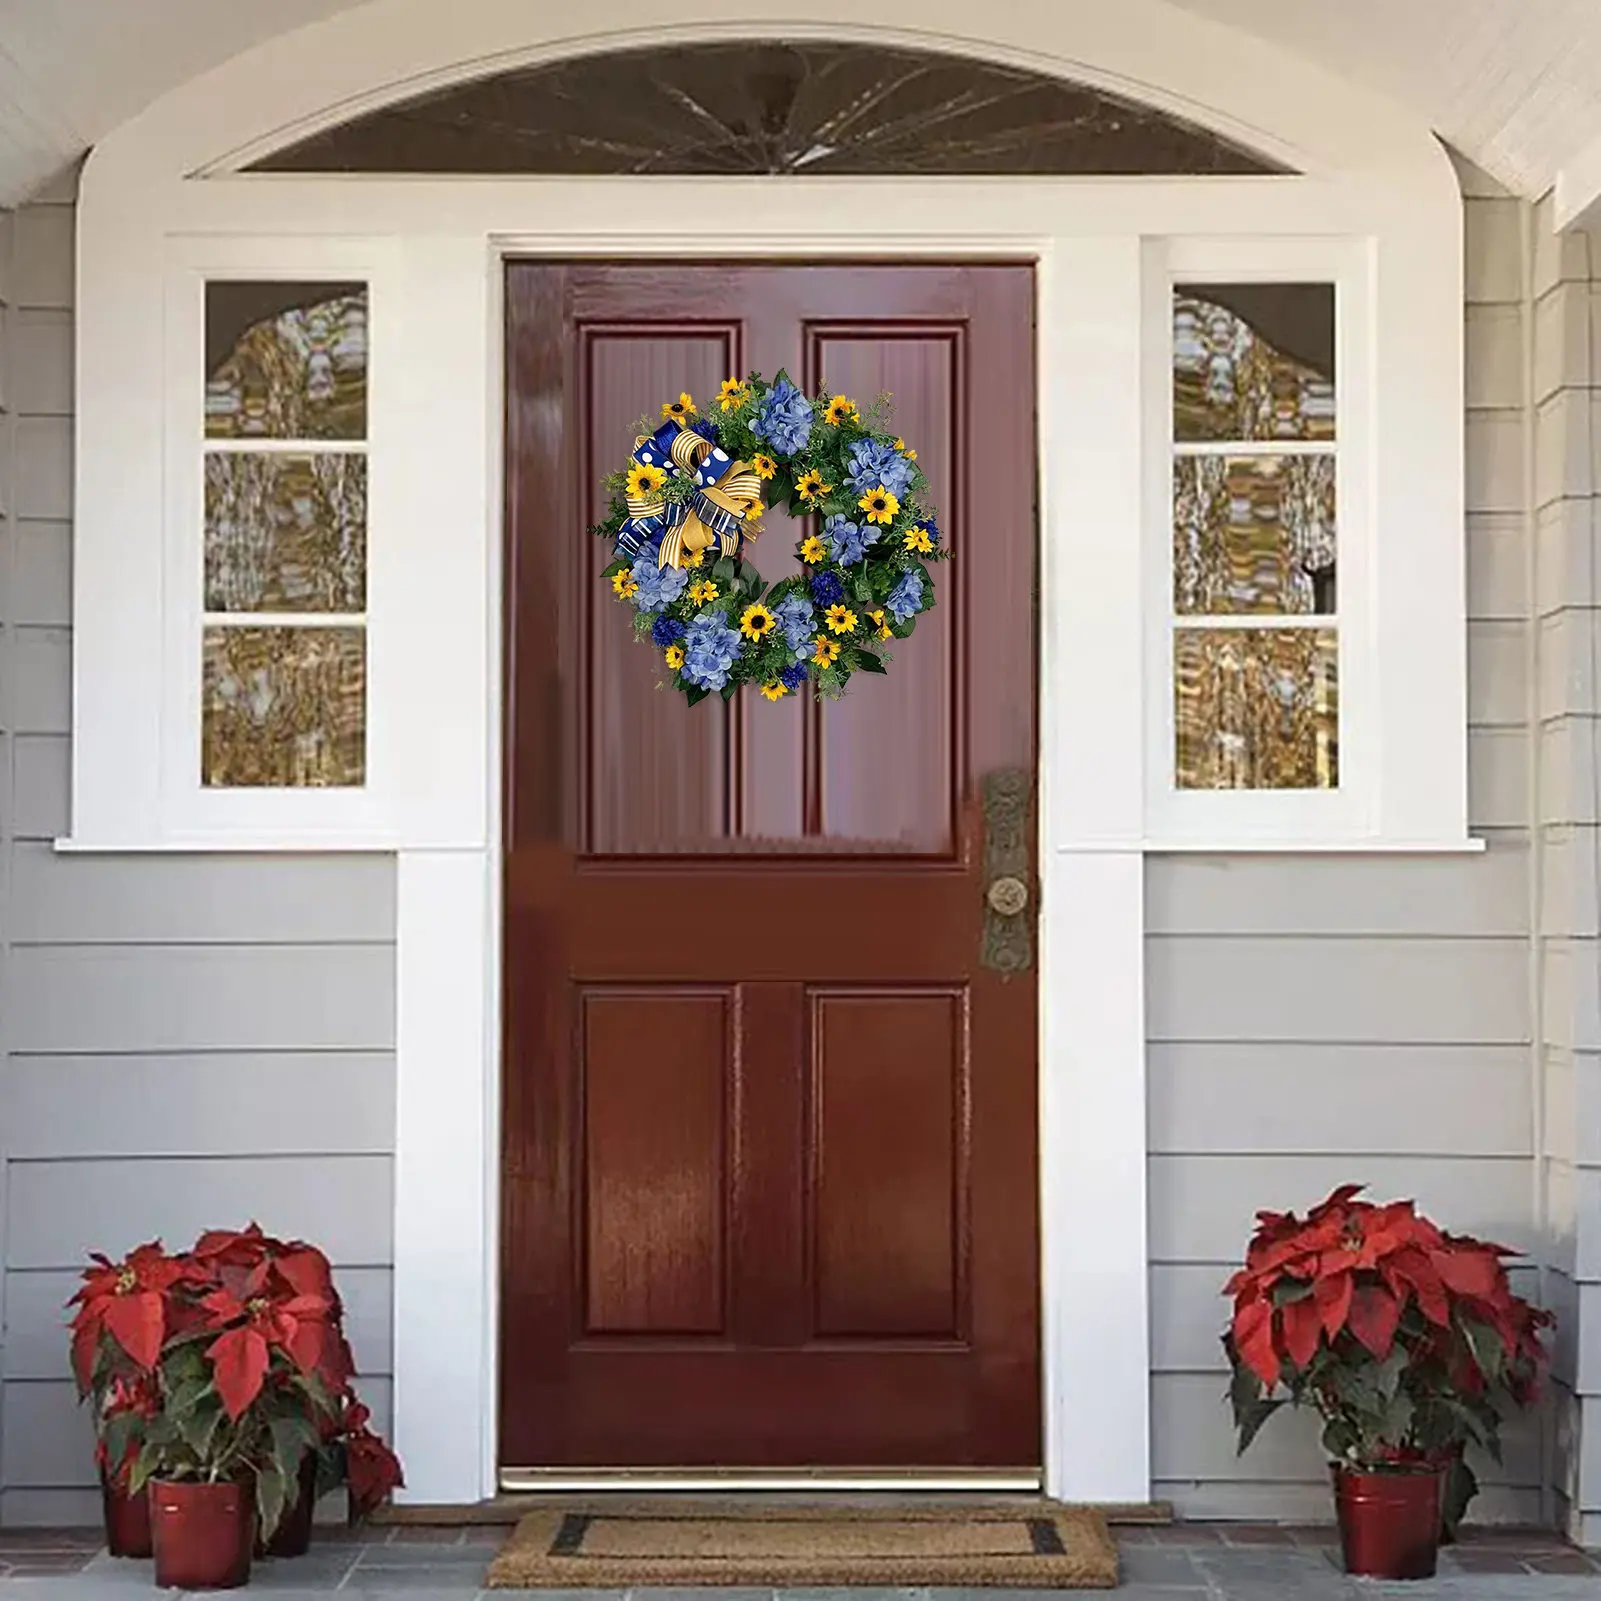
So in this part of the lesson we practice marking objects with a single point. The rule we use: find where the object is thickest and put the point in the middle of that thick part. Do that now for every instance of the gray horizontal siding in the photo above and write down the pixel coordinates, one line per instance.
(1314, 1021)
(188, 1042)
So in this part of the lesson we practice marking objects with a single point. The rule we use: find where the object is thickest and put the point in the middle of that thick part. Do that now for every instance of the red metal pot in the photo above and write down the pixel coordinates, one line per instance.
(127, 1519)
(292, 1537)
(1389, 1520)
(203, 1534)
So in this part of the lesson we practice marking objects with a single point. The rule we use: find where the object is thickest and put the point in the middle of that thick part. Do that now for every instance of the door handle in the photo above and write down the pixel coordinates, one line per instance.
(1007, 942)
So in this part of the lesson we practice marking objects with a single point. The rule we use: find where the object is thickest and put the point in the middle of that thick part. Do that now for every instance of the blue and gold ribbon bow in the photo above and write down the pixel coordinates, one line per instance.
(717, 513)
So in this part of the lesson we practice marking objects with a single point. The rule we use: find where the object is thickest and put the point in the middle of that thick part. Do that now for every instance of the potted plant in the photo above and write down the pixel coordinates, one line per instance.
(1409, 1344)
(244, 1384)
(120, 1322)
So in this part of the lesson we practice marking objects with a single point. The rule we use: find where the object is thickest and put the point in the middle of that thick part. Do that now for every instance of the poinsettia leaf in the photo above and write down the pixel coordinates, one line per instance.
(1374, 1315)
(137, 1323)
(1286, 1291)
(1485, 1344)
(305, 1345)
(1302, 1329)
(1468, 1272)
(1461, 1485)
(199, 1425)
(272, 1495)
(239, 1359)
(1253, 1336)
(1333, 1295)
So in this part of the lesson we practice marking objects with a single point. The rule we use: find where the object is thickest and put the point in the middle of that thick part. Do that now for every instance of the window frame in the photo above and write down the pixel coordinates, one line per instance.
(1254, 819)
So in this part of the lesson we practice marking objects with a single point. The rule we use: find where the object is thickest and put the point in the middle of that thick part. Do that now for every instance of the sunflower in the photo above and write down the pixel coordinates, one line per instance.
(884, 630)
(910, 455)
(917, 539)
(756, 622)
(840, 409)
(841, 619)
(765, 465)
(644, 480)
(733, 394)
(810, 486)
(681, 408)
(701, 591)
(880, 505)
(674, 656)
(775, 690)
(623, 584)
(826, 652)
(755, 510)
(813, 549)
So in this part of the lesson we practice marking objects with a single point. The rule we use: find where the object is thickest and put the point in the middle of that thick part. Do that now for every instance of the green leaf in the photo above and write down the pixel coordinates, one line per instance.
(723, 568)
(863, 591)
(272, 1495)
(199, 1425)
(1485, 1344)
(869, 662)
(1287, 1291)
(729, 690)
(612, 568)
(694, 695)
(1461, 1485)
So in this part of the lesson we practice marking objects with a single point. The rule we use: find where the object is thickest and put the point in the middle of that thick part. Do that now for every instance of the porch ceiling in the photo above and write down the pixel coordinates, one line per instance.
(1514, 84)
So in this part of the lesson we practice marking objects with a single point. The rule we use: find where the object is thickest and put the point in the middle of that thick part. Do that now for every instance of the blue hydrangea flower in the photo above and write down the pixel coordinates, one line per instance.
(848, 540)
(797, 619)
(827, 590)
(784, 419)
(710, 649)
(793, 676)
(906, 598)
(658, 586)
(665, 630)
(875, 461)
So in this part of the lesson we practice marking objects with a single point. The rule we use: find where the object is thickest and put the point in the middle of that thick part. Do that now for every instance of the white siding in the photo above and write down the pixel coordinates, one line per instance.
(1321, 1020)
(184, 1041)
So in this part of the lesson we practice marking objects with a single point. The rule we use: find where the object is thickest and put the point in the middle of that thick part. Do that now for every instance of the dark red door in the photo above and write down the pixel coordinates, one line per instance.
(770, 1126)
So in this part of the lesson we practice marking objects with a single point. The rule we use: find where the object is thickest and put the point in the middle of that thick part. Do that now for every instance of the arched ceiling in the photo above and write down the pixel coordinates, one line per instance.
(1513, 84)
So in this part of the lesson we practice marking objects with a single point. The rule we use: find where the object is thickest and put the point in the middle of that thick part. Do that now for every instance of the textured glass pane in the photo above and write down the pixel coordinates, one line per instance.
(284, 708)
(1253, 534)
(1257, 708)
(769, 107)
(1253, 361)
(286, 532)
(286, 360)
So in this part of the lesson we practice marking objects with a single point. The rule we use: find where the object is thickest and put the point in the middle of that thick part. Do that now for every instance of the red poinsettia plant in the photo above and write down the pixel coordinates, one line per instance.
(1408, 1341)
(228, 1361)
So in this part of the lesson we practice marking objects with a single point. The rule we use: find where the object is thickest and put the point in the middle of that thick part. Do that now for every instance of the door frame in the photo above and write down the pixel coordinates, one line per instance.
(1089, 852)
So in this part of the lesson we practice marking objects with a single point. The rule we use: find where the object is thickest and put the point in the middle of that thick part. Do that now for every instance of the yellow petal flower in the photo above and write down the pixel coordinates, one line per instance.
(623, 584)
(644, 480)
(683, 407)
(884, 630)
(810, 486)
(756, 622)
(917, 539)
(775, 690)
(910, 455)
(827, 650)
(765, 466)
(813, 549)
(841, 619)
(701, 591)
(880, 505)
(697, 558)
(840, 409)
(674, 656)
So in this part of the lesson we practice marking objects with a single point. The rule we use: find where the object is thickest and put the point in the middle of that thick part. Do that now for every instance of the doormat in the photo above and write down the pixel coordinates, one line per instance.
(1039, 1546)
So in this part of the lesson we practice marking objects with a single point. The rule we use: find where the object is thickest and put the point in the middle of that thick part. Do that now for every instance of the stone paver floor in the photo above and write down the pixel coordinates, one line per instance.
(1184, 1563)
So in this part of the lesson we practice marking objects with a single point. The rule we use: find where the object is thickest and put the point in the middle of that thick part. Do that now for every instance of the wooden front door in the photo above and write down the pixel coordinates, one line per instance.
(770, 1126)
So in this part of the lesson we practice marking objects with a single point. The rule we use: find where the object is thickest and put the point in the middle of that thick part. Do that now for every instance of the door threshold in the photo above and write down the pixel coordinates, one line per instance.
(995, 1481)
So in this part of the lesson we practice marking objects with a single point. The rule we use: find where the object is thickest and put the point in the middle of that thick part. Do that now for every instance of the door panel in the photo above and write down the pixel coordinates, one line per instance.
(770, 1141)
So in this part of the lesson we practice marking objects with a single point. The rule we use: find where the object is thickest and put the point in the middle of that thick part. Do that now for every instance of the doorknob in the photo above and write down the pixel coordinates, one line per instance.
(1007, 943)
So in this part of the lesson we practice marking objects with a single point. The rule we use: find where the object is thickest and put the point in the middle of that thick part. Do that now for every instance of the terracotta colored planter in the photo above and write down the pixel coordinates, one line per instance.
(292, 1537)
(1389, 1521)
(203, 1534)
(127, 1519)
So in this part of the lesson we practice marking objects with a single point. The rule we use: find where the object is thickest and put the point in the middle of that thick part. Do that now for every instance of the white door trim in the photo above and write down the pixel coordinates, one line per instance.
(1374, 175)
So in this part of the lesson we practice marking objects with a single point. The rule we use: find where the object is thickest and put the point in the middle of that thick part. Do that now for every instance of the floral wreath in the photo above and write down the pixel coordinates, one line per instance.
(690, 502)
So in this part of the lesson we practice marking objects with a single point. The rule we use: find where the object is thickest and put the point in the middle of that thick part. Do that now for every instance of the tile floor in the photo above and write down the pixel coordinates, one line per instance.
(1183, 1563)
